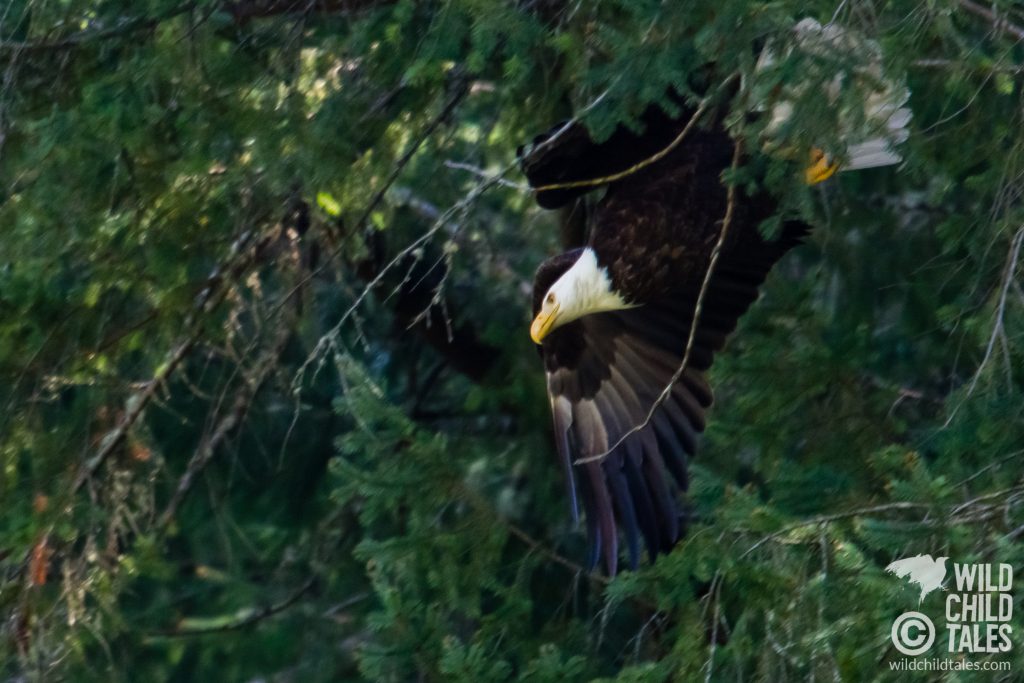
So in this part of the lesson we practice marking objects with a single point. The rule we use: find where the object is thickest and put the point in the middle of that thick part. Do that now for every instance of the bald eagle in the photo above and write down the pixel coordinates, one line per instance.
(612, 319)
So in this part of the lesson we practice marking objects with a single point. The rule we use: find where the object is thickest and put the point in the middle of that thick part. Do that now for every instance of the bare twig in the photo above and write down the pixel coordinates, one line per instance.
(705, 285)
(481, 173)
(826, 519)
(547, 552)
(1001, 24)
(997, 327)
(716, 588)
(124, 28)
(249, 617)
(243, 399)
(992, 465)
(661, 154)
(984, 497)
(245, 10)
(209, 298)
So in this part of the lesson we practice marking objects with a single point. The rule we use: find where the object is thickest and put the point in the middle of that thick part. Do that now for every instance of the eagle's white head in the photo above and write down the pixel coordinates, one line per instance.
(583, 288)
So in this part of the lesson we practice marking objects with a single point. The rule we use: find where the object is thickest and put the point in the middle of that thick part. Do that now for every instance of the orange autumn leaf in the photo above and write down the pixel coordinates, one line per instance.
(40, 503)
(39, 563)
(140, 453)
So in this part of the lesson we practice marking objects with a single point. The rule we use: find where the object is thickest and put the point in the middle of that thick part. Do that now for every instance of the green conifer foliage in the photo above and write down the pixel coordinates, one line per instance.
(270, 410)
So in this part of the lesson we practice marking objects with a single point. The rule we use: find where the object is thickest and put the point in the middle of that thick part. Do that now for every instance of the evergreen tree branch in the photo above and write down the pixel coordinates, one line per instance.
(952, 64)
(246, 10)
(241, 12)
(400, 164)
(481, 503)
(329, 339)
(1000, 24)
(826, 519)
(124, 28)
(549, 553)
(967, 512)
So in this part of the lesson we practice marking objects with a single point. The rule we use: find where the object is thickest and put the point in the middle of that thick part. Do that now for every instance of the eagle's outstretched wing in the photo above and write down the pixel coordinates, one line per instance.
(605, 372)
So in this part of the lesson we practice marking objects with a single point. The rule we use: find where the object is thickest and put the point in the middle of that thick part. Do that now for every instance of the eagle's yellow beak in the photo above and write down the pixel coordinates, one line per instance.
(543, 324)
(821, 168)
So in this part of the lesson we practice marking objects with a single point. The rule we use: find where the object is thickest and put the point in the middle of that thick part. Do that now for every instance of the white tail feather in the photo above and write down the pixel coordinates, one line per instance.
(879, 151)
(870, 154)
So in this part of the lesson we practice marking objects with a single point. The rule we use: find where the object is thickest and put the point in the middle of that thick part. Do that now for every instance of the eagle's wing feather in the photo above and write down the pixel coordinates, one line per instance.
(605, 372)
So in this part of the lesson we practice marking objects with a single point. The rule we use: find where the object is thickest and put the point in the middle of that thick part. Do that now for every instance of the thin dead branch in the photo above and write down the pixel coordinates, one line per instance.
(243, 399)
(123, 28)
(1000, 24)
(661, 154)
(328, 340)
(247, 10)
(998, 332)
(827, 519)
(705, 285)
(241, 12)
(248, 617)
(977, 509)
(242, 256)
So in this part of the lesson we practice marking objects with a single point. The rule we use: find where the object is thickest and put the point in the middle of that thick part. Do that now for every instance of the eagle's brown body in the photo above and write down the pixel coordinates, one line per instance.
(667, 217)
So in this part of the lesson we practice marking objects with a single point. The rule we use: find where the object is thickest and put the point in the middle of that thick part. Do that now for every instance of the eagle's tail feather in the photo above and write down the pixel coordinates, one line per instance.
(879, 151)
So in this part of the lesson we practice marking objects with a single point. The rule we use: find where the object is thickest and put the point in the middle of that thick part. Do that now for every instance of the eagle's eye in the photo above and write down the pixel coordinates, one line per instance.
(550, 298)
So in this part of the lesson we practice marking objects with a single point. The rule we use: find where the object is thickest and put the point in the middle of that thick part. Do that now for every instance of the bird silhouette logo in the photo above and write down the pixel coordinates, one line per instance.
(922, 570)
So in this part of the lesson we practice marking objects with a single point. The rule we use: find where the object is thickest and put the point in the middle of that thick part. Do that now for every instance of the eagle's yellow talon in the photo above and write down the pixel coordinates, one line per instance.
(821, 168)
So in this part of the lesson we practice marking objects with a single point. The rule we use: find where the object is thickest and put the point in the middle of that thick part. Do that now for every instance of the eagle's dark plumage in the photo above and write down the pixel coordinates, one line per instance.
(653, 233)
